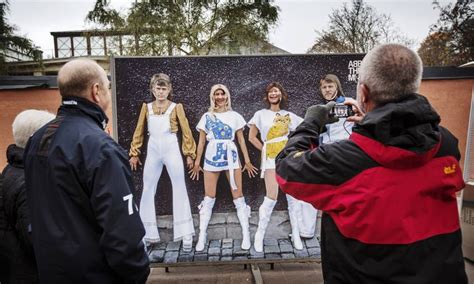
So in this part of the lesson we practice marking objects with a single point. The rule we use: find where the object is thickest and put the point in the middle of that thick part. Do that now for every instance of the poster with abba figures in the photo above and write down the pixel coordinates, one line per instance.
(183, 121)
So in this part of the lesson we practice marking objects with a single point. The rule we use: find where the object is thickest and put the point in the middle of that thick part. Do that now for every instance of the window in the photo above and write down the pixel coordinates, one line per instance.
(64, 47)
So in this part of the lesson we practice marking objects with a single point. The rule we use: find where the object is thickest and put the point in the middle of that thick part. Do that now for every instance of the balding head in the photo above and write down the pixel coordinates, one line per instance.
(77, 77)
(390, 72)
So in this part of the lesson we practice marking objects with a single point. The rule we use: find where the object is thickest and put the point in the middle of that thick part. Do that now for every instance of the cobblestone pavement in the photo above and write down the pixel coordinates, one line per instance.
(229, 249)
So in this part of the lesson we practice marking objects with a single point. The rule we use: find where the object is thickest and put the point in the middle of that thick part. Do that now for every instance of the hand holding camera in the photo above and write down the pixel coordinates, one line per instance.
(357, 113)
(341, 111)
(320, 114)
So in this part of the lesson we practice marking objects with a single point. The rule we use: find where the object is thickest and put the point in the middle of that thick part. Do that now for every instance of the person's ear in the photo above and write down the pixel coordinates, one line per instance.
(95, 93)
(365, 93)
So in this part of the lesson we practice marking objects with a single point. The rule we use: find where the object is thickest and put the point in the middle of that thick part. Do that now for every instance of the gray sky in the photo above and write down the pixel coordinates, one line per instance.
(299, 19)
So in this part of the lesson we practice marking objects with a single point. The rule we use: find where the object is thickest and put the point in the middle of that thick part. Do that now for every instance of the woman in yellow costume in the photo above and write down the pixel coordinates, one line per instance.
(161, 119)
(274, 124)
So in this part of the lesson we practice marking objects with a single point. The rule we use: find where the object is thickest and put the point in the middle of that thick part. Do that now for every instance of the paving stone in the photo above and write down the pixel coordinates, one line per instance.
(218, 219)
(270, 242)
(271, 249)
(286, 248)
(301, 253)
(171, 257)
(240, 252)
(232, 218)
(287, 255)
(160, 245)
(173, 246)
(213, 258)
(217, 232)
(227, 252)
(215, 244)
(314, 252)
(234, 231)
(156, 255)
(241, 257)
(279, 225)
(214, 251)
(284, 242)
(237, 243)
(312, 243)
(200, 257)
(272, 256)
(227, 243)
(226, 258)
(186, 258)
(254, 254)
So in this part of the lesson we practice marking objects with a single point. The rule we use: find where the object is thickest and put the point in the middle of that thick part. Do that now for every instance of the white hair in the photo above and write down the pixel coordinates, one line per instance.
(214, 88)
(391, 72)
(27, 122)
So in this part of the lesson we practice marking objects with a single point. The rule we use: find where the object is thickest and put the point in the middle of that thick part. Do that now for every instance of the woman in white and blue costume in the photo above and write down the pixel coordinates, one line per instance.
(219, 126)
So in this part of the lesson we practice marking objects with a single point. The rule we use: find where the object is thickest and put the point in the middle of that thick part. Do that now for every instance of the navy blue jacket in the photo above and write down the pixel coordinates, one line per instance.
(85, 225)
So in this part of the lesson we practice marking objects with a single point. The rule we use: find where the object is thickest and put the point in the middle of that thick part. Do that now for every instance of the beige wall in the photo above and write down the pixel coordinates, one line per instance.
(451, 98)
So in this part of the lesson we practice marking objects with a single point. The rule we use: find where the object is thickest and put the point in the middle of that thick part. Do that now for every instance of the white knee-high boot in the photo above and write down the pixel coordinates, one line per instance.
(205, 212)
(243, 213)
(294, 209)
(264, 214)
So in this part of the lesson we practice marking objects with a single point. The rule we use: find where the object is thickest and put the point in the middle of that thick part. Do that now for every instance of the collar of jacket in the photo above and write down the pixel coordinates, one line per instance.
(71, 104)
(411, 124)
(15, 156)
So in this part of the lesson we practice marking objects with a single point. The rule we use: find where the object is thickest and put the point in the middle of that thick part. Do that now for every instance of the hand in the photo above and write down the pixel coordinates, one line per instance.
(358, 113)
(320, 114)
(251, 169)
(194, 172)
(134, 163)
(189, 162)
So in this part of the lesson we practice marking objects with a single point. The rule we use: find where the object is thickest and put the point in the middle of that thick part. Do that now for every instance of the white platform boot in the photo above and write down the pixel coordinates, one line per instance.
(294, 209)
(243, 213)
(205, 213)
(264, 214)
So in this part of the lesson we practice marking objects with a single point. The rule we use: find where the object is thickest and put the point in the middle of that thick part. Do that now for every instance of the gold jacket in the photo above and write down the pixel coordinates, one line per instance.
(177, 117)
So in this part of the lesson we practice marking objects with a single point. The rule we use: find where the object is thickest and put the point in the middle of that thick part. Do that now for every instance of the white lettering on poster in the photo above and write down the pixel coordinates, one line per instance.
(353, 69)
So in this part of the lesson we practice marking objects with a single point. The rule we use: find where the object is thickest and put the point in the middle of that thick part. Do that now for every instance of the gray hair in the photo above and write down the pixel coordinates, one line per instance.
(391, 72)
(27, 122)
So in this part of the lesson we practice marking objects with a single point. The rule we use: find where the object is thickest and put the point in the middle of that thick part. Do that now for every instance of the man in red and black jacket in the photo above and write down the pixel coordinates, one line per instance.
(389, 192)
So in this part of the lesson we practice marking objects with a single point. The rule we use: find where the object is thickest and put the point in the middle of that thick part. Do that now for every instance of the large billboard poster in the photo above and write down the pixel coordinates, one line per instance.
(246, 78)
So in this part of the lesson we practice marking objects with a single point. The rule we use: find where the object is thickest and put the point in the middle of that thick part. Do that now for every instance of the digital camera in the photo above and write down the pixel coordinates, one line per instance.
(342, 110)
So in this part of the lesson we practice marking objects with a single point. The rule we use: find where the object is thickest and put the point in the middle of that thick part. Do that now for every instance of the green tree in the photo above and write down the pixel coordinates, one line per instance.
(356, 28)
(454, 32)
(10, 41)
(167, 27)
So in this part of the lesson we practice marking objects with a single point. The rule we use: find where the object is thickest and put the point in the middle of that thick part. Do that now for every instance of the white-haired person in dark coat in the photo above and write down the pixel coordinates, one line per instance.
(17, 261)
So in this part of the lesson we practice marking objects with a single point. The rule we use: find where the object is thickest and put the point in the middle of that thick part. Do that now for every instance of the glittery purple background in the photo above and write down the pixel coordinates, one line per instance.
(246, 77)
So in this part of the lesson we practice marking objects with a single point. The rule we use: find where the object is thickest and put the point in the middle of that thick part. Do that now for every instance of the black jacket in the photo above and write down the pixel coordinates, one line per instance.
(387, 193)
(85, 225)
(16, 250)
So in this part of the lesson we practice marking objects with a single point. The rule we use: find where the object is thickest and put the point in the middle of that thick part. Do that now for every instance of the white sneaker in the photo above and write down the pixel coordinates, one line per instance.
(188, 243)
